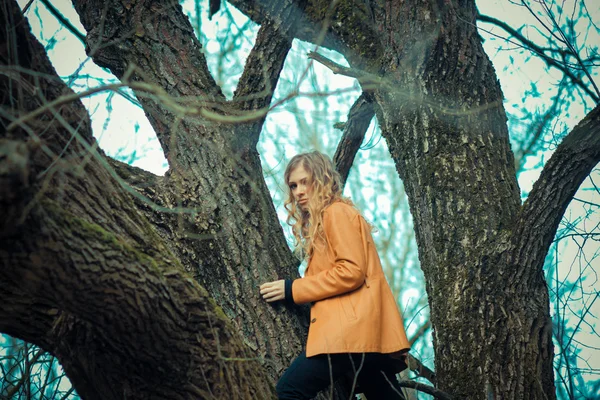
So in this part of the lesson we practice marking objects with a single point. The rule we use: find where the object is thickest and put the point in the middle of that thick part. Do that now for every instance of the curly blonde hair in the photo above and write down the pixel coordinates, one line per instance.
(325, 188)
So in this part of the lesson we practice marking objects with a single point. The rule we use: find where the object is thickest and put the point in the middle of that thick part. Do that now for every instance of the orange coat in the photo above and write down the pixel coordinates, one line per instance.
(353, 308)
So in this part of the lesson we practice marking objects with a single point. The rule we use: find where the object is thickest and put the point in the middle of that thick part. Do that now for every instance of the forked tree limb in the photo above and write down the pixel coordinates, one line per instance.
(154, 44)
(569, 166)
(85, 276)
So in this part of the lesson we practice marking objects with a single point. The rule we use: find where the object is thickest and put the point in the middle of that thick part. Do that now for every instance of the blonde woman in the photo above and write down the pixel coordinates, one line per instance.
(355, 325)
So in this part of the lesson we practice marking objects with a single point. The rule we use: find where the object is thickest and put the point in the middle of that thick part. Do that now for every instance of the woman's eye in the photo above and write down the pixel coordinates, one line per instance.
(292, 187)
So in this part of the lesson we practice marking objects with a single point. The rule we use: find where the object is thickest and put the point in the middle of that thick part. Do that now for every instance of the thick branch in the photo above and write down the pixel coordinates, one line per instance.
(568, 167)
(25, 317)
(159, 319)
(154, 44)
(333, 25)
(143, 182)
(307, 31)
(359, 117)
(265, 62)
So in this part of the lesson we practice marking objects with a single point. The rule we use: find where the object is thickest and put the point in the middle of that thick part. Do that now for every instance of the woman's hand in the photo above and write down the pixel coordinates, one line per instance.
(273, 291)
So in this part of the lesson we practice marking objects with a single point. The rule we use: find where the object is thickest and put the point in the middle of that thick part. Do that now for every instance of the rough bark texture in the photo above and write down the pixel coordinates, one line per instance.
(98, 284)
(226, 233)
(440, 109)
(84, 275)
(98, 257)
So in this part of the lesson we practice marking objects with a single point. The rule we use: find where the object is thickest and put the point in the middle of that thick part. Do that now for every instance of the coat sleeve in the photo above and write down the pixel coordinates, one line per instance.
(344, 236)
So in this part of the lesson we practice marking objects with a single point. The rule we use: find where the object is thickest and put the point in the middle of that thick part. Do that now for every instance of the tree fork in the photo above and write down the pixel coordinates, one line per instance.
(89, 290)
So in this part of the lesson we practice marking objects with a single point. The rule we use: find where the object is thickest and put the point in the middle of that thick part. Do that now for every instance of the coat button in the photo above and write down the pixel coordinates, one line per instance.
(313, 320)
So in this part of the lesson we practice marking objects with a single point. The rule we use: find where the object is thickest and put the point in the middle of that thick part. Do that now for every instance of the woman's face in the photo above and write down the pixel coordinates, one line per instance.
(300, 186)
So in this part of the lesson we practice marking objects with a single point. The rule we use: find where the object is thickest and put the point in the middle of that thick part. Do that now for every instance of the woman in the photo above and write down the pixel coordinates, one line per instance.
(355, 323)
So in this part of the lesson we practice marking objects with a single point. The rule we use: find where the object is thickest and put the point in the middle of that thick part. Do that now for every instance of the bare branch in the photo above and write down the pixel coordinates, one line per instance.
(541, 52)
(570, 164)
(265, 62)
(538, 127)
(420, 332)
(359, 117)
(364, 78)
(417, 366)
(421, 387)
(66, 23)
(23, 381)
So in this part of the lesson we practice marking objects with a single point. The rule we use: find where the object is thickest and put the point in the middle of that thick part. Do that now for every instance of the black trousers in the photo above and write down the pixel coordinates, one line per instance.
(373, 372)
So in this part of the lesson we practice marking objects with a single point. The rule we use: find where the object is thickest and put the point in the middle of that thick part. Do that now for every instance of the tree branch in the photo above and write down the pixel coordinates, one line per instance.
(156, 45)
(420, 332)
(264, 64)
(327, 25)
(265, 61)
(417, 366)
(359, 117)
(144, 182)
(25, 377)
(421, 387)
(25, 317)
(568, 167)
(65, 22)
(538, 126)
(367, 80)
(306, 30)
(163, 320)
(528, 44)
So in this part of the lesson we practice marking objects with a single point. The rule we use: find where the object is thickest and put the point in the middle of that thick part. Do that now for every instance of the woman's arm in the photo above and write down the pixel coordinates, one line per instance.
(344, 235)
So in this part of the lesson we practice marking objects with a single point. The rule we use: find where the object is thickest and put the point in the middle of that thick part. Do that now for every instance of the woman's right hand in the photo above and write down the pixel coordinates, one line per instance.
(273, 291)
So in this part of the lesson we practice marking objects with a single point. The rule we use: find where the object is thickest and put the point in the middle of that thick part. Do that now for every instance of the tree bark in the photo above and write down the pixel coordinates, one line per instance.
(359, 117)
(440, 110)
(222, 224)
(97, 256)
(98, 286)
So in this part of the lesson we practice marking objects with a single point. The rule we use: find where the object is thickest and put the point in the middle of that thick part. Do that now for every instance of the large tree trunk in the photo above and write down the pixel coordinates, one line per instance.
(446, 128)
(444, 121)
(440, 109)
(87, 276)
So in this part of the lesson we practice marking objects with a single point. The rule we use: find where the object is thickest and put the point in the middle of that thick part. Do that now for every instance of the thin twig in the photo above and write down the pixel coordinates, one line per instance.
(338, 69)
(421, 370)
(67, 24)
(534, 48)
